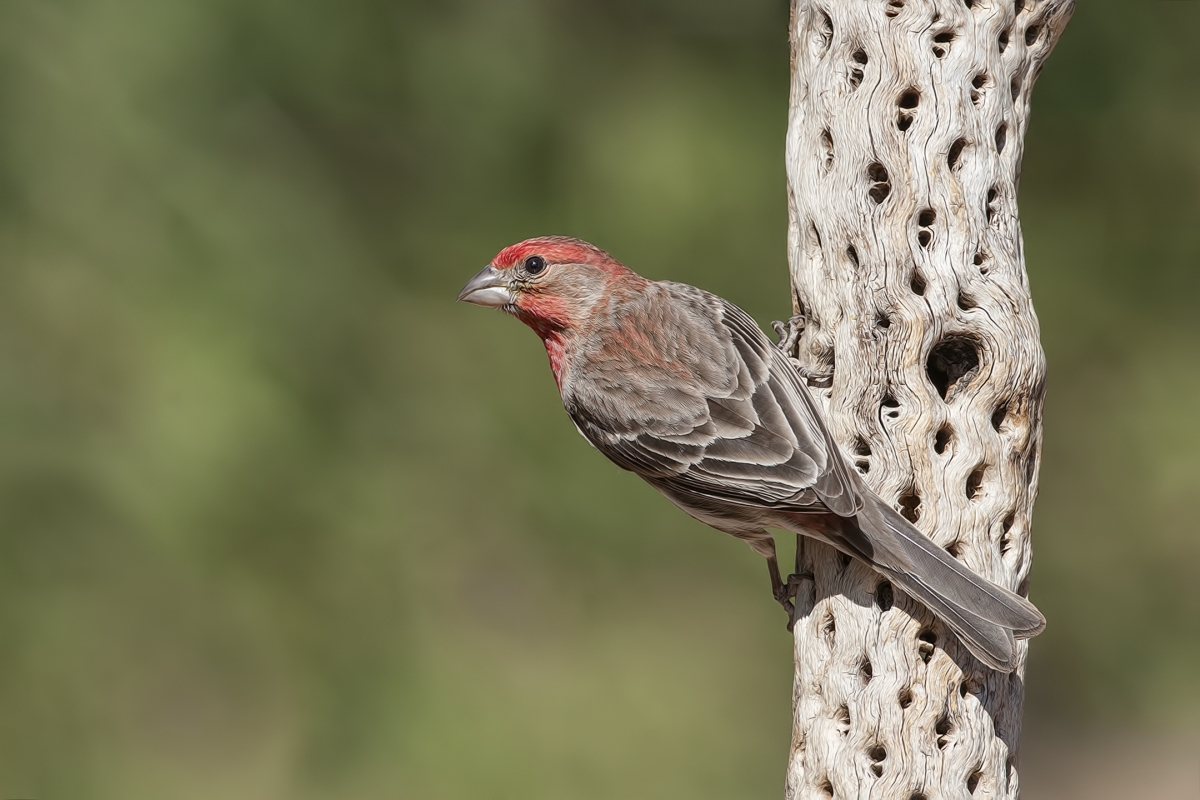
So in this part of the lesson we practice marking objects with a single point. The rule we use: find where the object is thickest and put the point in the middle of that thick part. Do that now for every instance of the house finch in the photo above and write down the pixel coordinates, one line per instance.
(683, 388)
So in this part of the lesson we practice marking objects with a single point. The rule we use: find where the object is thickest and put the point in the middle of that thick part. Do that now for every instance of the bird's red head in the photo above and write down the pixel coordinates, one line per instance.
(556, 250)
(552, 284)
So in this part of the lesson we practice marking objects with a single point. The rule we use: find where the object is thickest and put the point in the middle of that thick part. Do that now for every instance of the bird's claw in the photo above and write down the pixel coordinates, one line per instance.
(789, 332)
(786, 595)
(789, 337)
(816, 380)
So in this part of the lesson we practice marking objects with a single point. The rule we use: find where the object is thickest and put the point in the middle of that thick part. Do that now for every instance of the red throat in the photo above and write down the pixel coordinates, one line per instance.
(550, 319)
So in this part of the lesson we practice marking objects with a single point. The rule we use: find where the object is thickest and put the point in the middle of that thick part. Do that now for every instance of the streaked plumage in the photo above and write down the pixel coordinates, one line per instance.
(684, 389)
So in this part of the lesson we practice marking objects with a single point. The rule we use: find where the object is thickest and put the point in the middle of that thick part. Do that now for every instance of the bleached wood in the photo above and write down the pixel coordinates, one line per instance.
(889, 270)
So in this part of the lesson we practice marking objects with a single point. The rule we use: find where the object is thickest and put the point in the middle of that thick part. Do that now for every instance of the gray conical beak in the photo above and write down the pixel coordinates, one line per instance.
(488, 288)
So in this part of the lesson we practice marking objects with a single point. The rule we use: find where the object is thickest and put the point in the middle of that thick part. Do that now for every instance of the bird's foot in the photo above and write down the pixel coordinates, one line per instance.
(790, 590)
(815, 380)
(789, 337)
(789, 333)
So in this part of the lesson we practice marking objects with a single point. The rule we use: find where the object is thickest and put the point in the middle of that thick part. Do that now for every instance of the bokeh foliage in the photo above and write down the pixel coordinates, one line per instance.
(281, 520)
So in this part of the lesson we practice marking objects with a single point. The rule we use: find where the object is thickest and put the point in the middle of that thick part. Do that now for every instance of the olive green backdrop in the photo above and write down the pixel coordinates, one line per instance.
(280, 519)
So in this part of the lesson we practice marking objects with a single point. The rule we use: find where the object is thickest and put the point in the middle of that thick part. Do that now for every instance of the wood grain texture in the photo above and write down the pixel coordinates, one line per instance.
(903, 155)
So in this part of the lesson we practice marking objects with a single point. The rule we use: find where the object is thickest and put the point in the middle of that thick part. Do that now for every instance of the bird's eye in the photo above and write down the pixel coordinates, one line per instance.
(535, 265)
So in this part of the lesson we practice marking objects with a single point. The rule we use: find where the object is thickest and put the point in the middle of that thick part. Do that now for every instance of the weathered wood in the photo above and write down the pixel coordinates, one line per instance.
(903, 155)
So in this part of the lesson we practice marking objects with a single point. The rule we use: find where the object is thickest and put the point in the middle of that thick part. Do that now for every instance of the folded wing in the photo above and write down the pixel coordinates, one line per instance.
(756, 440)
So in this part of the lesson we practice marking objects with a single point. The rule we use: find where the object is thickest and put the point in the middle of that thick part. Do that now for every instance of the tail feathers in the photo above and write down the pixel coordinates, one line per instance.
(992, 644)
(987, 618)
(900, 547)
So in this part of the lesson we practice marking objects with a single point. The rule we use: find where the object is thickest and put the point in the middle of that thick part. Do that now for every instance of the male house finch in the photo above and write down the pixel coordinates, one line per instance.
(681, 387)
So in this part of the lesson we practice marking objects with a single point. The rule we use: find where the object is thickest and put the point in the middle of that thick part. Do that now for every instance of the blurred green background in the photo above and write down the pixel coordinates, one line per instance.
(280, 519)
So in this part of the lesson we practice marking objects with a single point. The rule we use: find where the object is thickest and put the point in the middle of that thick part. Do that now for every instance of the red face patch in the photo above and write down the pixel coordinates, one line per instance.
(556, 250)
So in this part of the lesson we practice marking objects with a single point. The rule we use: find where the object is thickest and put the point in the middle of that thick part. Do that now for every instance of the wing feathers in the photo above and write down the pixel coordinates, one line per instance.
(757, 439)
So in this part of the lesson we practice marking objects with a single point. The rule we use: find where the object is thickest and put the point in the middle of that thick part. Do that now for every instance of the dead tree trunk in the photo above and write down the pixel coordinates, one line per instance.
(903, 154)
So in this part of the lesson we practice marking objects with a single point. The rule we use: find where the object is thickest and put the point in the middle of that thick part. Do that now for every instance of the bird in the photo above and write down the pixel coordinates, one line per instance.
(683, 388)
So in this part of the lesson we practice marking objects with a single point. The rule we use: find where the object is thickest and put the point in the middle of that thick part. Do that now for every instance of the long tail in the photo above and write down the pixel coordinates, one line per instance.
(987, 618)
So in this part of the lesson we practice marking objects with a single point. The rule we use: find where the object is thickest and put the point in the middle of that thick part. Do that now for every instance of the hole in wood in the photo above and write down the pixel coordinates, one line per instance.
(842, 718)
(1031, 34)
(824, 29)
(953, 360)
(1007, 523)
(917, 283)
(910, 505)
(905, 698)
(943, 729)
(941, 43)
(852, 255)
(1001, 137)
(955, 154)
(861, 447)
(882, 320)
(877, 753)
(884, 596)
(955, 548)
(865, 670)
(942, 439)
(893, 8)
(965, 301)
(909, 98)
(863, 466)
(1018, 6)
(926, 640)
(981, 261)
(998, 416)
(1030, 469)
(889, 406)
(918, 796)
(829, 630)
(973, 780)
(993, 208)
(975, 481)
(814, 235)
(1016, 86)
(827, 148)
(826, 788)
(1002, 40)
(859, 57)
(924, 220)
(880, 185)
(903, 121)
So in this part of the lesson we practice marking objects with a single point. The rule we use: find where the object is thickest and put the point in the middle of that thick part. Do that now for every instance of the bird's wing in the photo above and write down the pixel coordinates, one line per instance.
(726, 417)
